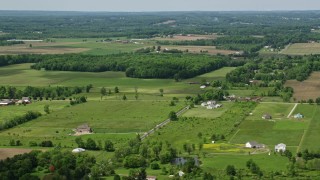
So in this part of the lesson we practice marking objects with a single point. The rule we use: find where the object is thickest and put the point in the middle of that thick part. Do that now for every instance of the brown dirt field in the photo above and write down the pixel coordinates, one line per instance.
(196, 49)
(10, 152)
(308, 89)
(40, 48)
(187, 38)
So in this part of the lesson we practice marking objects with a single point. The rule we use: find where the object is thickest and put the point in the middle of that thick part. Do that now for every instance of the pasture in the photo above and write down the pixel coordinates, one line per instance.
(302, 49)
(311, 85)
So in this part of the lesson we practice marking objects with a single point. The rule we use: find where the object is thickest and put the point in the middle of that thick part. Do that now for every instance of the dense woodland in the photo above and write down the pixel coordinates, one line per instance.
(178, 66)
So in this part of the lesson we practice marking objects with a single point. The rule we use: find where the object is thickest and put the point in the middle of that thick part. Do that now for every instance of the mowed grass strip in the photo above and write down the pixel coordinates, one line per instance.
(311, 138)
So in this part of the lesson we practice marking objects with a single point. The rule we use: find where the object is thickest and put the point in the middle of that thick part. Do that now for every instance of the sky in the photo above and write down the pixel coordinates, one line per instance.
(159, 5)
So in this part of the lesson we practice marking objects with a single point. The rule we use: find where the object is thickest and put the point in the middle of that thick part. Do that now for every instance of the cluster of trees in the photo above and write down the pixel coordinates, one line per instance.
(78, 100)
(10, 43)
(30, 115)
(137, 65)
(91, 144)
(212, 94)
(58, 92)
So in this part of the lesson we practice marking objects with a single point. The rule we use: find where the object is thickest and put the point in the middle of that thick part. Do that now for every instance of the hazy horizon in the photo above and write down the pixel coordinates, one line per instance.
(159, 6)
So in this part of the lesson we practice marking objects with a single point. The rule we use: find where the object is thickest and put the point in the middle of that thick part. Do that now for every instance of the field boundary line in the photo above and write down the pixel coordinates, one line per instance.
(306, 130)
(294, 108)
(148, 133)
(233, 136)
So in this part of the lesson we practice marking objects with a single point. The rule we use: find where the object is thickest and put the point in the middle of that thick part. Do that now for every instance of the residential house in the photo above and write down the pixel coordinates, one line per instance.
(214, 106)
(203, 86)
(204, 104)
(280, 147)
(266, 116)
(254, 144)
(84, 129)
(211, 102)
(26, 100)
(151, 178)
(298, 116)
(6, 102)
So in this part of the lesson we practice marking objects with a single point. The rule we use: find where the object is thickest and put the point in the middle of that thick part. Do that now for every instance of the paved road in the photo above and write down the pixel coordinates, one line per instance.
(145, 135)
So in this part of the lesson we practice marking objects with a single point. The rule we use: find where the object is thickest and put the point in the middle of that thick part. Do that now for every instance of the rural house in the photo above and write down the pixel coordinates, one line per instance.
(84, 129)
(298, 116)
(6, 102)
(214, 106)
(266, 116)
(280, 147)
(254, 144)
(26, 100)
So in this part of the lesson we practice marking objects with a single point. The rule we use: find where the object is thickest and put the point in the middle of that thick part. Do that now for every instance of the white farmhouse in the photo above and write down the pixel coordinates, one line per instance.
(280, 147)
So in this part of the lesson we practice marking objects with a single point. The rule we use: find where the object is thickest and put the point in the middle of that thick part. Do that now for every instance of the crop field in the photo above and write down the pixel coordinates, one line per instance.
(311, 85)
(200, 49)
(280, 129)
(302, 49)
(41, 48)
(10, 152)
(105, 117)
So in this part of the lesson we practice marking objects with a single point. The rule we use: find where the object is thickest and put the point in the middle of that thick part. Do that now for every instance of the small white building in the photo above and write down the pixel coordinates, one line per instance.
(253, 144)
(78, 150)
(203, 86)
(181, 173)
(280, 147)
(204, 104)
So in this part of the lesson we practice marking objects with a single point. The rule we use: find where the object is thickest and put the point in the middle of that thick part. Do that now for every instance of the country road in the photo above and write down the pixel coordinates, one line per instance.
(145, 135)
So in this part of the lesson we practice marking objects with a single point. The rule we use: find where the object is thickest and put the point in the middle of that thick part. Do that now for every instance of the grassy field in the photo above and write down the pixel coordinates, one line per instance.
(295, 133)
(199, 49)
(311, 85)
(7, 112)
(203, 112)
(191, 37)
(302, 49)
(16, 75)
(111, 117)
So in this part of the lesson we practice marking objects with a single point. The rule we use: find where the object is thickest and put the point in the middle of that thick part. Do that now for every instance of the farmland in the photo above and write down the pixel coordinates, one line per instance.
(311, 85)
(302, 49)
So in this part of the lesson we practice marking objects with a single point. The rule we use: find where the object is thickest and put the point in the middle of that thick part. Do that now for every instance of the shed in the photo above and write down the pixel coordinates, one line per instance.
(78, 150)
(84, 129)
(266, 116)
(298, 116)
(254, 144)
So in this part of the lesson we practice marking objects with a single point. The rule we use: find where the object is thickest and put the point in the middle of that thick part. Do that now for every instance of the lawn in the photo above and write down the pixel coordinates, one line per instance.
(278, 111)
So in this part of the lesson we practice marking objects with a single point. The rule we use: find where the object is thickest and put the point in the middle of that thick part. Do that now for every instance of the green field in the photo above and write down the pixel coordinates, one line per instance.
(295, 133)
(302, 49)
(105, 117)
(8, 112)
(203, 112)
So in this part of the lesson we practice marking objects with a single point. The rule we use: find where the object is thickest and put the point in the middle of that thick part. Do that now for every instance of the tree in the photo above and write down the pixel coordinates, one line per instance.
(161, 92)
(46, 109)
(88, 87)
(116, 177)
(231, 170)
(108, 146)
(116, 89)
(91, 144)
(124, 97)
(103, 92)
(173, 116)
(318, 100)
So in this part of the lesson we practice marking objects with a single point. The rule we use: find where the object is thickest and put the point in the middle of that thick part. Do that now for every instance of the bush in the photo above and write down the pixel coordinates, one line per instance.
(154, 166)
